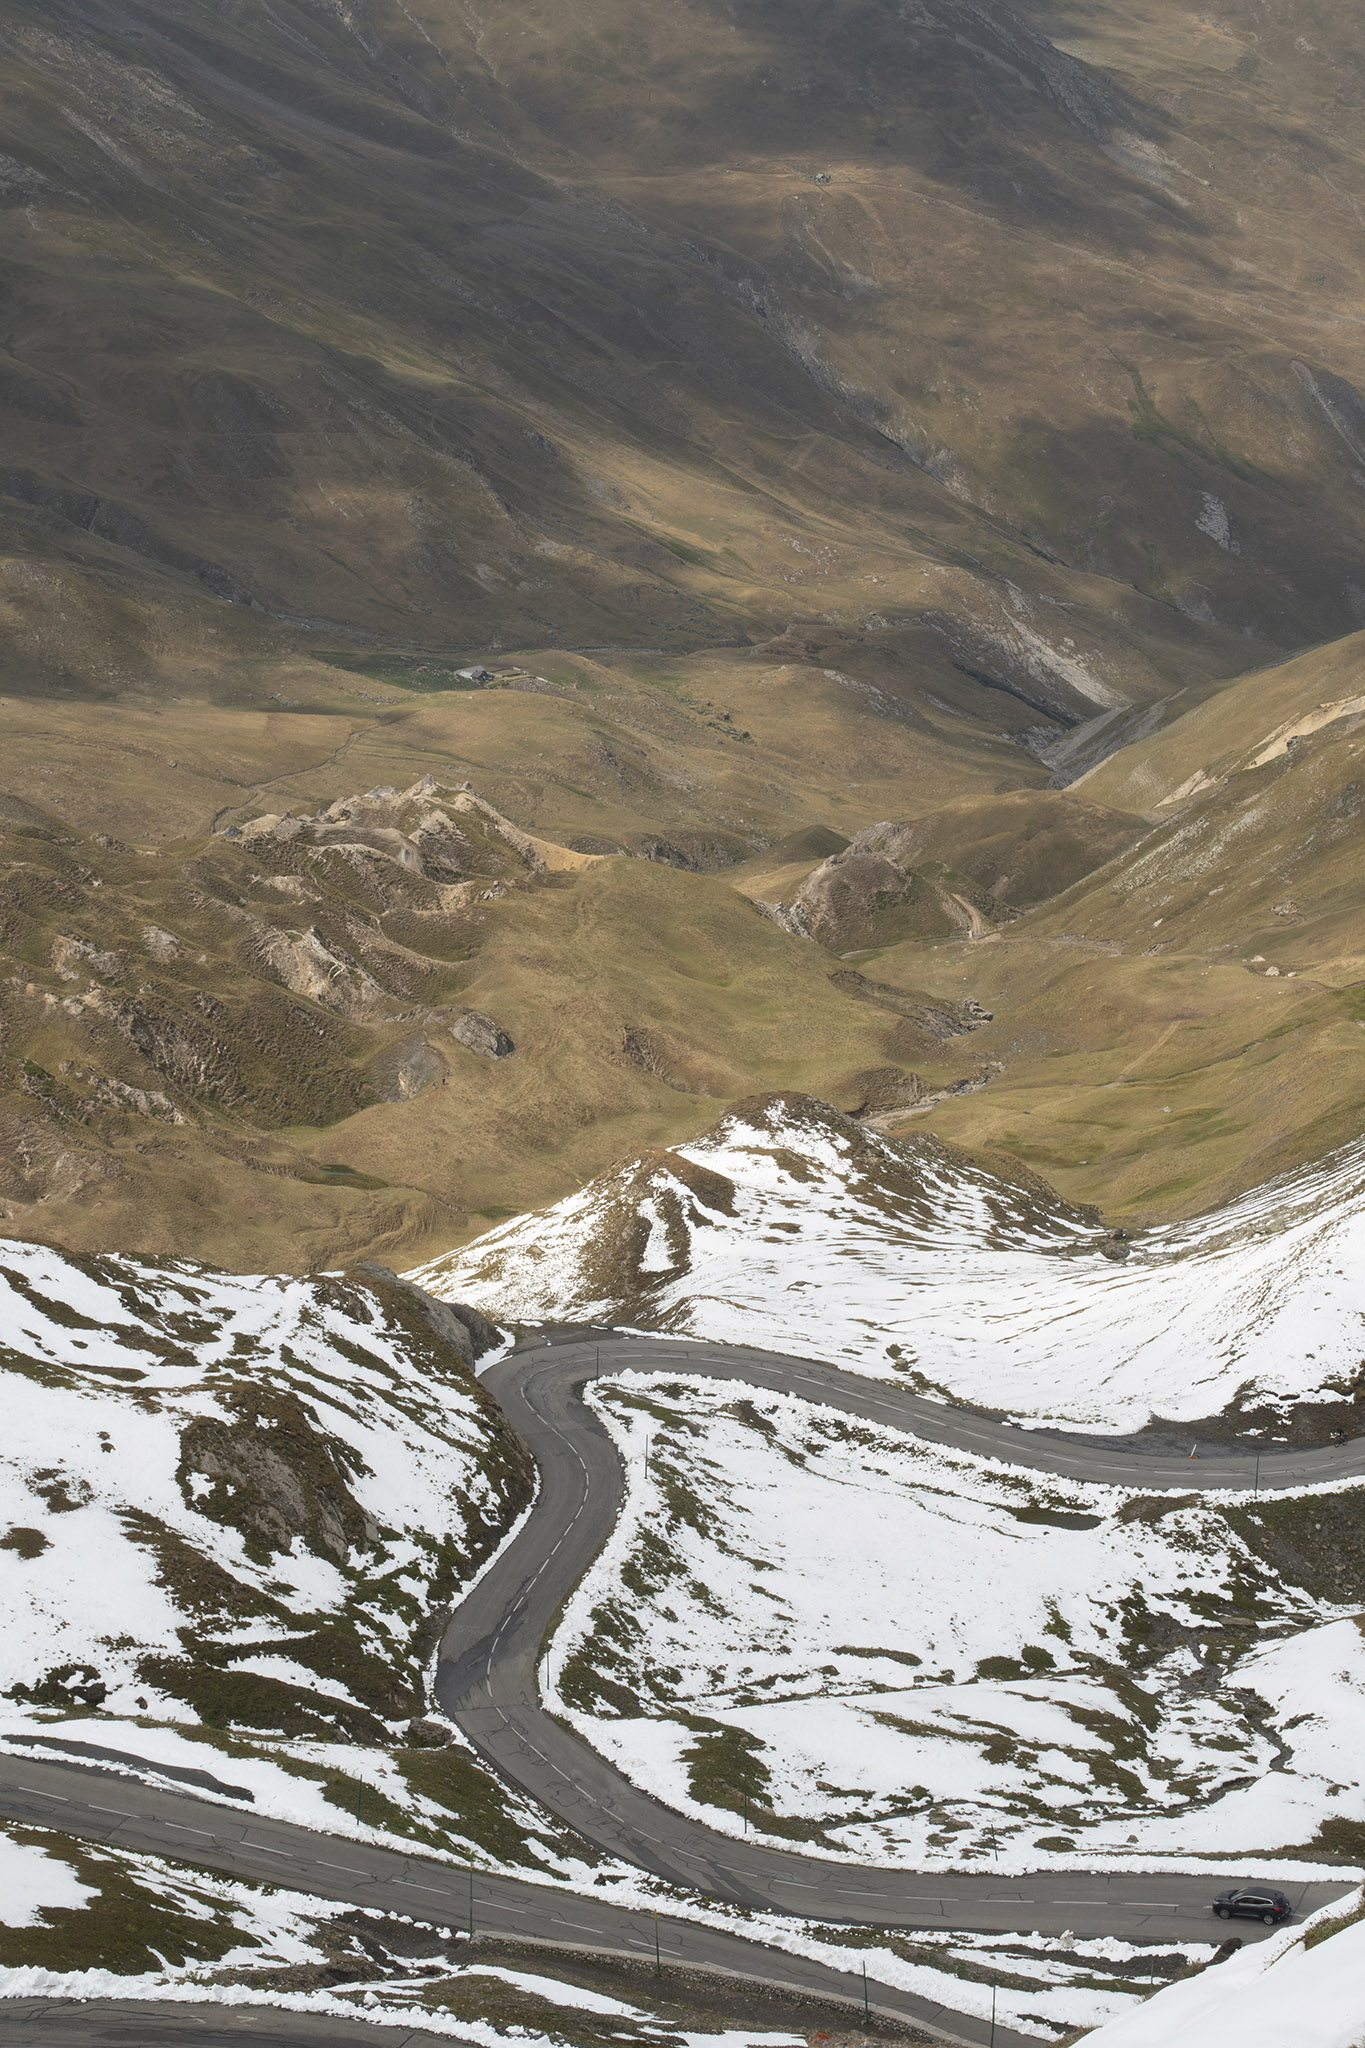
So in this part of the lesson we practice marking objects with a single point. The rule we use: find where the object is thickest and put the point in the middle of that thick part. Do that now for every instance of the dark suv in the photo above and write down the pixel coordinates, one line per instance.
(1252, 1902)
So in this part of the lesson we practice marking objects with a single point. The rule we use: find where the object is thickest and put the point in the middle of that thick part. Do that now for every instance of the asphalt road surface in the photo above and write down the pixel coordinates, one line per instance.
(487, 1676)
(94, 1802)
(487, 1682)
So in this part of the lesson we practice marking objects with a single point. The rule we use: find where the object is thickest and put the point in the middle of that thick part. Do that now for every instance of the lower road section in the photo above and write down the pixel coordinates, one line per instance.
(87, 1801)
(487, 1682)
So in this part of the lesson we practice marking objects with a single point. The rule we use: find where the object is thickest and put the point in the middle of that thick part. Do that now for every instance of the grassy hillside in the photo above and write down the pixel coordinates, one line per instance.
(806, 418)
(1252, 722)
(1189, 1018)
(1152, 1084)
(377, 1027)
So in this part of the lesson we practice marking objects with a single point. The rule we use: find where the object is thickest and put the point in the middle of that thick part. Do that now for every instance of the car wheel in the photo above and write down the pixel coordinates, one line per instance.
(1269, 1919)
(1223, 1912)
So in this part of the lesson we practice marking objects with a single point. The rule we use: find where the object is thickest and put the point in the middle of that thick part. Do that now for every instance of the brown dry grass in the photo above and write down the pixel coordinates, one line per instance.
(328, 359)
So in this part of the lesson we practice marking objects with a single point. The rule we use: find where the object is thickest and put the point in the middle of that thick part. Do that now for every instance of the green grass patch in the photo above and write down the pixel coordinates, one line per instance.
(132, 1924)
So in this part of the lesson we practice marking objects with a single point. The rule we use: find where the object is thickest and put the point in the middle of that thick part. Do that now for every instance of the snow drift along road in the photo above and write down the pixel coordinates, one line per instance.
(1265, 1997)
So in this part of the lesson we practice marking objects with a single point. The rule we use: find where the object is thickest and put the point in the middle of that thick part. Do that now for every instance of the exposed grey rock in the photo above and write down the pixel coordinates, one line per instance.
(427, 1733)
(790, 917)
(310, 965)
(883, 1090)
(161, 945)
(402, 1071)
(143, 1101)
(463, 1329)
(273, 1475)
(481, 1034)
(70, 955)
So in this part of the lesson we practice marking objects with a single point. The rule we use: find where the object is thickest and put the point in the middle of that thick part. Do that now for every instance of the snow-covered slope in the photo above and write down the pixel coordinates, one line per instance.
(793, 1227)
(233, 1501)
(818, 1631)
(1277, 1994)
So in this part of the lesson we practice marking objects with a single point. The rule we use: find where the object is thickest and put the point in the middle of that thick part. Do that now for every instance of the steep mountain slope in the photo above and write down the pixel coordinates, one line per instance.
(1257, 719)
(795, 1228)
(1022, 237)
(1303, 1986)
(1258, 845)
(1187, 1019)
(206, 1520)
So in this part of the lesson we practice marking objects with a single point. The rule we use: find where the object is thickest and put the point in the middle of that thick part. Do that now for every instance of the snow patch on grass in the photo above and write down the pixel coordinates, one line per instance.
(836, 1635)
(31, 1881)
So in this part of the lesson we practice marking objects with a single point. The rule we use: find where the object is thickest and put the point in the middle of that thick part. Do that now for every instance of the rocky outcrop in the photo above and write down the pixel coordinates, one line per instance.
(936, 1016)
(266, 1470)
(466, 1331)
(310, 965)
(480, 1033)
(428, 831)
(71, 956)
(872, 894)
(960, 869)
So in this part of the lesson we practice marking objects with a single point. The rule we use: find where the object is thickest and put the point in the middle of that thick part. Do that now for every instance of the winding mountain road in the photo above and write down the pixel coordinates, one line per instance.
(487, 1675)
(486, 1681)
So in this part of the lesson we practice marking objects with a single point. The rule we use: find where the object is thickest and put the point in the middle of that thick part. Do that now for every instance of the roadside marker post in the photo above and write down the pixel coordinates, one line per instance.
(994, 1984)
(867, 2009)
(658, 1965)
(471, 1895)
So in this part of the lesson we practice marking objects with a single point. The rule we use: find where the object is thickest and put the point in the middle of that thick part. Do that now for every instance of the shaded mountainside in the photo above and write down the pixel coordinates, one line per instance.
(433, 331)
(795, 1228)
(338, 323)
